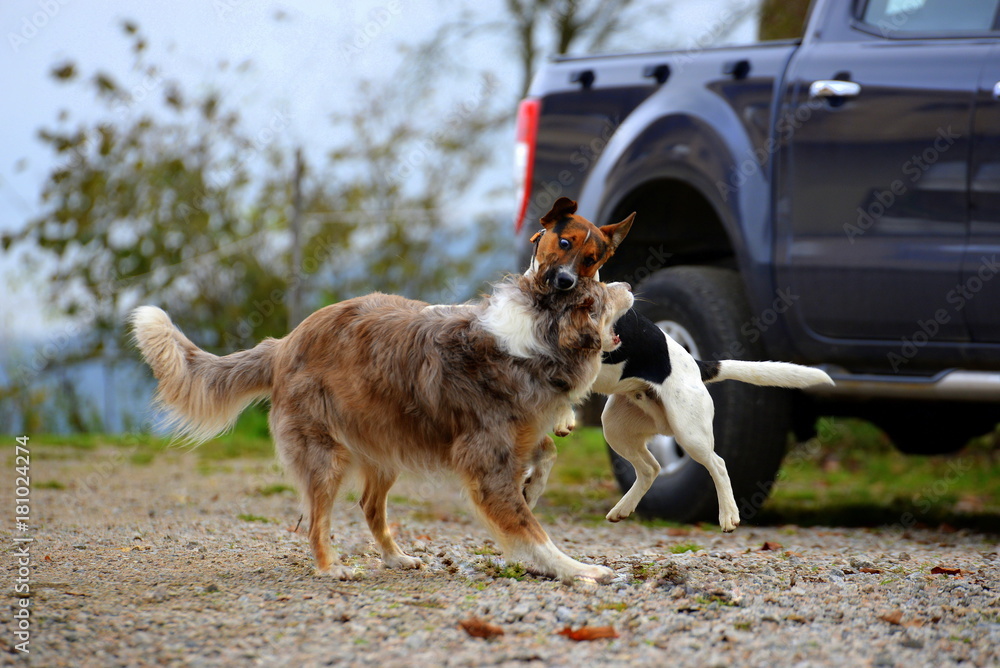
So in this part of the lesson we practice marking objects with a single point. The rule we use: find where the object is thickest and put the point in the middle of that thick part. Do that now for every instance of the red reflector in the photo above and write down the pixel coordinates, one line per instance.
(524, 154)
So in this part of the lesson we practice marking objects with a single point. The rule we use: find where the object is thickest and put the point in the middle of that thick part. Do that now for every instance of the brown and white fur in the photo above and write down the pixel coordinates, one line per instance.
(667, 397)
(382, 383)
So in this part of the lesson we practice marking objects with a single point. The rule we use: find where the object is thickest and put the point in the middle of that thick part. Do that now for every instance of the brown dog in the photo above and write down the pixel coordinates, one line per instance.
(382, 383)
(576, 248)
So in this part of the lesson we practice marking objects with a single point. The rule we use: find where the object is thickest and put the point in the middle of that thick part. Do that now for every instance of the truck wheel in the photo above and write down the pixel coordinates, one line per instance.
(704, 309)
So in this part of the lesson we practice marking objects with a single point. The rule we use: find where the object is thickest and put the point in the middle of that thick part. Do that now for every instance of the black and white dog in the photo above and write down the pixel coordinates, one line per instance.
(654, 385)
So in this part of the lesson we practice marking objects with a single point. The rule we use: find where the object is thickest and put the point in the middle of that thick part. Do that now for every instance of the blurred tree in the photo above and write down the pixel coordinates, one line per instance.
(405, 178)
(783, 19)
(183, 208)
(180, 207)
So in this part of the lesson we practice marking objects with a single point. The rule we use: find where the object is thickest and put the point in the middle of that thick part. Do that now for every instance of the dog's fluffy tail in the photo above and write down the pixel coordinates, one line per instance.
(202, 394)
(768, 374)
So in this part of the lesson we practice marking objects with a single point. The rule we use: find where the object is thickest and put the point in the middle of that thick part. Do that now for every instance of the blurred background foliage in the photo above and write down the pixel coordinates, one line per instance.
(237, 236)
(783, 19)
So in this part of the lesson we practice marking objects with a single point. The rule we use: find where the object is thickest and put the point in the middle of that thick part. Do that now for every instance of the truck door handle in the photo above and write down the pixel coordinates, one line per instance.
(834, 88)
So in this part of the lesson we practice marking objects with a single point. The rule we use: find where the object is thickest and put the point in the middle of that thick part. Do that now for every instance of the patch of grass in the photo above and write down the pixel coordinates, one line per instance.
(583, 458)
(644, 571)
(719, 598)
(496, 569)
(486, 550)
(742, 626)
(620, 606)
(255, 518)
(685, 547)
(234, 446)
(49, 484)
(852, 476)
(271, 490)
(141, 457)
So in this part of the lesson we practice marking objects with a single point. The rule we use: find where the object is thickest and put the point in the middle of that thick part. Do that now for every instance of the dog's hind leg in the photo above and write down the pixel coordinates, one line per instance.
(627, 428)
(318, 463)
(373, 502)
(493, 474)
(540, 465)
(690, 412)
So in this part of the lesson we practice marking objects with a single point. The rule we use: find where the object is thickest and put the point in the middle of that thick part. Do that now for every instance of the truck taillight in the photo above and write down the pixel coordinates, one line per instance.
(524, 155)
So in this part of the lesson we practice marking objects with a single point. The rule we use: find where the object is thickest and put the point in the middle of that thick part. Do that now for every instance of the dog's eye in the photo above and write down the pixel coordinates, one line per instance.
(564, 244)
(588, 261)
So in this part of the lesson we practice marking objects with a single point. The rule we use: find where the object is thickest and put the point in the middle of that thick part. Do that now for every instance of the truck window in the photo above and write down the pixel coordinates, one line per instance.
(898, 17)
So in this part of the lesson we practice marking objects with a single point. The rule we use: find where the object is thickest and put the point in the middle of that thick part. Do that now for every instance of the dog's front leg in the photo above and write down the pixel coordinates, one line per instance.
(566, 422)
(494, 481)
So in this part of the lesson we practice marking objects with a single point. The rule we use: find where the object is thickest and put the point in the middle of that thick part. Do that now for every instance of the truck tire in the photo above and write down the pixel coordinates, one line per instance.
(704, 309)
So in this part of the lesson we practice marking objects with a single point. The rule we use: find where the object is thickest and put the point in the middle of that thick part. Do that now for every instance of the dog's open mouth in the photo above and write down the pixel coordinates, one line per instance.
(617, 340)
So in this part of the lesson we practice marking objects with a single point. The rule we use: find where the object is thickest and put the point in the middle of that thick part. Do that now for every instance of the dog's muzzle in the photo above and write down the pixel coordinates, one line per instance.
(564, 280)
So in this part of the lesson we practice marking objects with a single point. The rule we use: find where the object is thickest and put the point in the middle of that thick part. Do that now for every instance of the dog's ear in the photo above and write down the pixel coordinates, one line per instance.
(563, 207)
(578, 330)
(616, 232)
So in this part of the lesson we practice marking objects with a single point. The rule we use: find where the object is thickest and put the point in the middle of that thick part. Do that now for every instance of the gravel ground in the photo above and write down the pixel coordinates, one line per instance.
(177, 562)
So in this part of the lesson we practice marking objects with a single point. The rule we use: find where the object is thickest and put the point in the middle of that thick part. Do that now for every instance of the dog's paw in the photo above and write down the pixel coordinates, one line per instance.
(620, 512)
(566, 423)
(336, 572)
(402, 562)
(590, 574)
(565, 427)
(729, 520)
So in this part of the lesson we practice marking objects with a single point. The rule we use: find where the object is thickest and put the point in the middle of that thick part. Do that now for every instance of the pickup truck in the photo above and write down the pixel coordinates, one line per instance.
(831, 201)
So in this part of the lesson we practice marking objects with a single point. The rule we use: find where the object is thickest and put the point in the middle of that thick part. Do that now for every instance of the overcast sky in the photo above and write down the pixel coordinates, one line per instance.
(305, 64)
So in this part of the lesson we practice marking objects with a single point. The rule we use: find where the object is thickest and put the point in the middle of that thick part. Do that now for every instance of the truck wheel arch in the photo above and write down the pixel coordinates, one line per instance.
(677, 224)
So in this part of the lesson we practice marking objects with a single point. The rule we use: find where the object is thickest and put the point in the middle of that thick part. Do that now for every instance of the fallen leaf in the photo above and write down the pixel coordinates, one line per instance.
(768, 545)
(675, 531)
(865, 569)
(46, 558)
(895, 617)
(944, 570)
(75, 593)
(478, 628)
(423, 536)
(589, 633)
